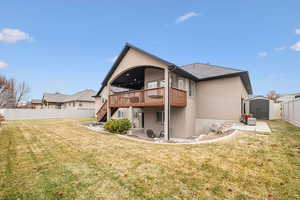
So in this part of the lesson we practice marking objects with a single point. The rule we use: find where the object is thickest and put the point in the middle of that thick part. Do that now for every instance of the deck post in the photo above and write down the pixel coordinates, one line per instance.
(167, 105)
(130, 117)
(108, 108)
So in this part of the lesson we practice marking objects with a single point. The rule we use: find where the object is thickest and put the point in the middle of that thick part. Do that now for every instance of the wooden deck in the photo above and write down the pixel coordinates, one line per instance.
(147, 98)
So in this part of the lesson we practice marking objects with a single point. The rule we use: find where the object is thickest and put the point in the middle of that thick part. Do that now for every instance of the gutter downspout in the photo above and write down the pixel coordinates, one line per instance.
(170, 69)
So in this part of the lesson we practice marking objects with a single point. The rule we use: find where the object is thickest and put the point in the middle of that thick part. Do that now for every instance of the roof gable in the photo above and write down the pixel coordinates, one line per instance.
(123, 53)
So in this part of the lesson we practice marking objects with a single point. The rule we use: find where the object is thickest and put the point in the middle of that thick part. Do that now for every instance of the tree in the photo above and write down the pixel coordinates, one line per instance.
(273, 95)
(11, 92)
(21, 92)
(7, 95)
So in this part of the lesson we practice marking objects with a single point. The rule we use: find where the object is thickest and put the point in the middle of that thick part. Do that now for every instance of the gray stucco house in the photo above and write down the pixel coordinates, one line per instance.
(162, 96)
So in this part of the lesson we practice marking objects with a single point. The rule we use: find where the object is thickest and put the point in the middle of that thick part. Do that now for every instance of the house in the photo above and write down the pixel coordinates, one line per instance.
(80, 100)
(179, 100)
(36, 104)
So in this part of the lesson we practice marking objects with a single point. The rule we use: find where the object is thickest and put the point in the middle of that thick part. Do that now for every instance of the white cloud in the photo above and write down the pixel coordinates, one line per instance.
(3, 64)
(298, 31)
(113, 59)
(296, 46)
(263, 54)
(280, 48)
(13, 35)
(186, 17)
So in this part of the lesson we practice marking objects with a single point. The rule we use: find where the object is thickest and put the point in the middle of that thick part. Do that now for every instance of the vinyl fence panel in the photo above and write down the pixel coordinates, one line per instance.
(291, 112)
(26, 114)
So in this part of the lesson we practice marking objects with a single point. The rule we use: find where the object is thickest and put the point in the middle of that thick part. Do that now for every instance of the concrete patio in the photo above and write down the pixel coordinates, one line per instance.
(260, 127)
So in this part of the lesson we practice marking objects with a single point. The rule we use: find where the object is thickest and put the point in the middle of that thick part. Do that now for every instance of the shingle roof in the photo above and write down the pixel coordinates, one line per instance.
(36, 101)
(203, 71)
(54, 97)
(85, 95)
(209, 72)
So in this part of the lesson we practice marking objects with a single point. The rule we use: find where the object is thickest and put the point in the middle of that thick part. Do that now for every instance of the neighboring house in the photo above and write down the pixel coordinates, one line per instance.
(288, 97)
(80, 100)
(36, 104)
(169, 98)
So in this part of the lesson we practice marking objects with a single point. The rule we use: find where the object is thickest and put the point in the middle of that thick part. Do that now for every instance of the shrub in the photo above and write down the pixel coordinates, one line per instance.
(117, 125)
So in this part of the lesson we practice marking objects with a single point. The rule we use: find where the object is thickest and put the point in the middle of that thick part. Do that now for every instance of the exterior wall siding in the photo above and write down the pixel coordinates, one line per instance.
(220, 99)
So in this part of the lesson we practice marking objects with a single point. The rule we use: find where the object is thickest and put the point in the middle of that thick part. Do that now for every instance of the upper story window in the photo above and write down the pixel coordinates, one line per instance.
(192, 88)
(162, 83)
(152, 84)
(181, 84)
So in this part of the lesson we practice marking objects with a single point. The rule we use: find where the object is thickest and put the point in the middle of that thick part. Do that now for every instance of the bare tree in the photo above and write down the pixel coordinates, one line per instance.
(7, 95)
(21, 92)
(273, 95)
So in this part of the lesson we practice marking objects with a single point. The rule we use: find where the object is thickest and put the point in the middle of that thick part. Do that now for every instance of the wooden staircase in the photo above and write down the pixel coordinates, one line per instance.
(102, 112)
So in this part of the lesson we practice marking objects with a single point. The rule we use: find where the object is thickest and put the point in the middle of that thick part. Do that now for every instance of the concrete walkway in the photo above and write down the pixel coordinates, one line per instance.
(260, 127)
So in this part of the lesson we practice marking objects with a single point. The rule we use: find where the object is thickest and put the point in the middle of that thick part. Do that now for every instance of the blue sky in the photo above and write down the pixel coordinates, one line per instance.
(69, 45)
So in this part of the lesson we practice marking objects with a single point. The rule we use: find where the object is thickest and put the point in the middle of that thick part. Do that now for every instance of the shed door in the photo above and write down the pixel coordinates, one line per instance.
(260, 109)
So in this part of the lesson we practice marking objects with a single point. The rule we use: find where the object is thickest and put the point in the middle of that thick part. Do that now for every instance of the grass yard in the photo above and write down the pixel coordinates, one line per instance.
(59, 159)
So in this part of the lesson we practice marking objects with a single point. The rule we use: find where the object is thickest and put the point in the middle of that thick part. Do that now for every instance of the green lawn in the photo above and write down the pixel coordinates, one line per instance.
(59, 159)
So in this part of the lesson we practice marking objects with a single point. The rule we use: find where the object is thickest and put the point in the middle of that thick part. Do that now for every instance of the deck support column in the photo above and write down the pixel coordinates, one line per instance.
(108, 108)
(167, 105)
(130, 117)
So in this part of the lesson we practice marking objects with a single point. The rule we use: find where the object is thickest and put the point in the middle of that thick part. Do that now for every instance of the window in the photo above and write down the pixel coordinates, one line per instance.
(181, 84)
(152, 85)
(80, 104)
(160, 117)
(120, 114)
(73, 103)
(192, 88)
(162, 83)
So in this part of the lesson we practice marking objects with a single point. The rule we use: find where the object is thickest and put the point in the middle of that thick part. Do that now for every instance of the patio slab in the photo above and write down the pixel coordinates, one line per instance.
(260, 127)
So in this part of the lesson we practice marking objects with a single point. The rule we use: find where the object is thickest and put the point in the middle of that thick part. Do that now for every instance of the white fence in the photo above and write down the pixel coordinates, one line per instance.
(25, 114)
(291, 112)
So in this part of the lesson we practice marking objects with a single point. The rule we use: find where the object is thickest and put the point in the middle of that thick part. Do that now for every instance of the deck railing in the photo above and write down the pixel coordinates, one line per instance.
(147, 98)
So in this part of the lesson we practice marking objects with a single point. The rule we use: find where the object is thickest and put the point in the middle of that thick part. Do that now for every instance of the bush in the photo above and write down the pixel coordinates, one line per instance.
(117, 125)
